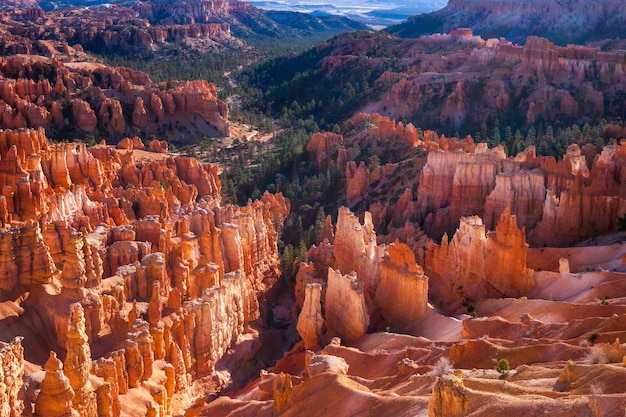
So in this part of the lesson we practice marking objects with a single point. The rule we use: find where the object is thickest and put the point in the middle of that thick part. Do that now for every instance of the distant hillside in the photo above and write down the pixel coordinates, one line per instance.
(128, 28)
(252, 23)
(17, 3)
(453, 82)
(318, 22)
(245, 20)
(60, 4)
(563, 22)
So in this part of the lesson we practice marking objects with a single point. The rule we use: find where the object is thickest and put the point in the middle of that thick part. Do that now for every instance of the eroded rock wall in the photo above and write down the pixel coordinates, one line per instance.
(145, 261)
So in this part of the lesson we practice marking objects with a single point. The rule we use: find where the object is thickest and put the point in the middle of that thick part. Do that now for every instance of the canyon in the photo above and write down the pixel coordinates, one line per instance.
(129, 28)
(129, 289)
(504, 317)
(52, 78)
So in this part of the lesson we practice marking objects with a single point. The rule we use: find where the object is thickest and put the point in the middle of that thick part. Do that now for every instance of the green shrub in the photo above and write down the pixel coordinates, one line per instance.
(503, 367)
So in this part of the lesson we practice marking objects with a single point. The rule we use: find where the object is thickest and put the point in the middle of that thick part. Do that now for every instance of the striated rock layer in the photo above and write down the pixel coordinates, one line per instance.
(11, 378)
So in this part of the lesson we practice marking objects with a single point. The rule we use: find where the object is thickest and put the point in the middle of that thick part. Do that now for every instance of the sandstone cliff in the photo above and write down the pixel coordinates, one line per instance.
(11, 378)
(132, 28)
(117, 28)
(475, 264)
(453, 184)
(435, 81)
(538, 190)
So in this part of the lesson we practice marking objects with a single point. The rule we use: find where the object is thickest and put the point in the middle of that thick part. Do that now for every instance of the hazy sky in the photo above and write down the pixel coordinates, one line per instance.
(357, 10)
(350, 5)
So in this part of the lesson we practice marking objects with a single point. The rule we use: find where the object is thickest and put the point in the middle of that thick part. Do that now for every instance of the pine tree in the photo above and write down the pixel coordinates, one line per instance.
(484, 136)
(531, 137)
(320, 220)
(495, 137)
(518, 143)
(508, 136)
(301, 251)
(288, 257)
(373, 162)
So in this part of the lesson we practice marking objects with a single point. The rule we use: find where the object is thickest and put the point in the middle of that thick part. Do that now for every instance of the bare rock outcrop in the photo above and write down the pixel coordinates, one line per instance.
(364, 285)
(77, 364)
(324, 146)
(11, 378)
(310, 321)
(355, 247)
(522, 192)
(283, 392)
(56, 394)
(402, 294)
(88, 98)
(476, 264)
(358, 182)
(346, 312)
(140, 115)
(449, 398)
(318, 364)
(110, 114)
(84, 116)
(219, 318)
(159, 146)
(164, 274)
(453, 184)
(200, 97)
(27, 259)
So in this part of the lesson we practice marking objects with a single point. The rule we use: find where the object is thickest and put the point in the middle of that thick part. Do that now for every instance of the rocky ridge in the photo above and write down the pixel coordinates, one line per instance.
(543, 355)
(434, 181)
(536, 81)
(487, 318)
(115, 28)
(434, 82)
(160, 292)
(409, 308)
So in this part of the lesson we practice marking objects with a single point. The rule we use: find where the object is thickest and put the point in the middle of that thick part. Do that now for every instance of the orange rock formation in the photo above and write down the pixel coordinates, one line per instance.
(99, 96)
(365, 285)
(475, 264)
(310, 322)
(130, 257)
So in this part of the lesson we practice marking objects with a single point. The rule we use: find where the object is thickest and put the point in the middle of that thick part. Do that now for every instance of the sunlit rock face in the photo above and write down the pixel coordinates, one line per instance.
(475, 263)
(362, 286)
(141, 268)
